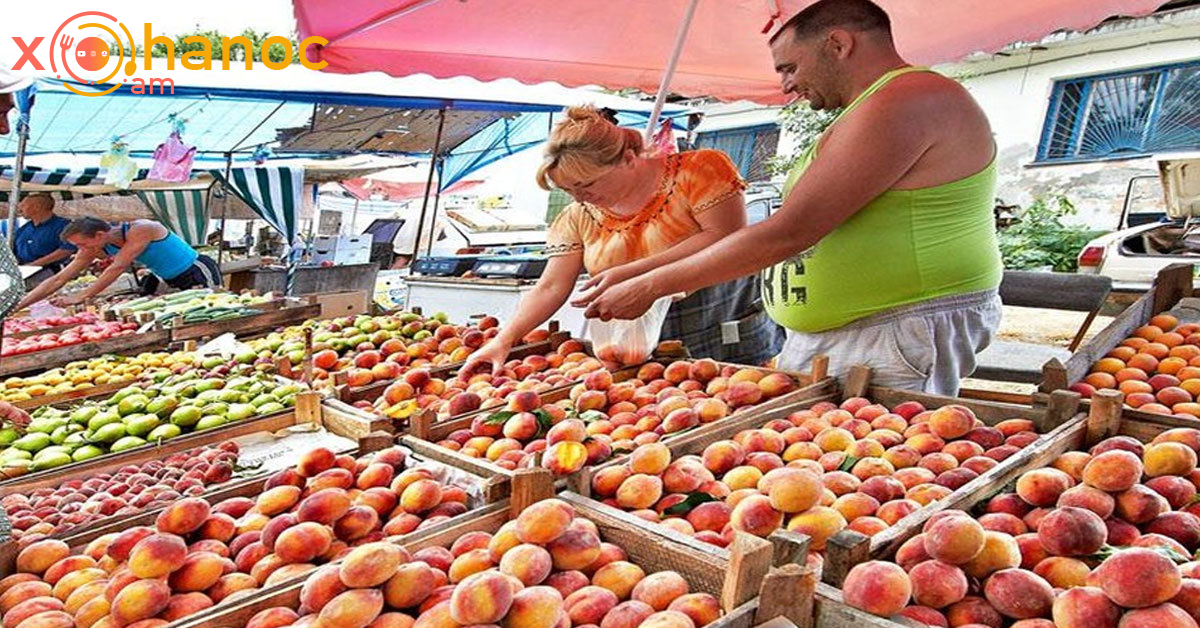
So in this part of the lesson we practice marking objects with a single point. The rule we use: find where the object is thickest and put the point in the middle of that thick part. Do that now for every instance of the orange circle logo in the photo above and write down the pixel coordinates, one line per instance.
(91, 53)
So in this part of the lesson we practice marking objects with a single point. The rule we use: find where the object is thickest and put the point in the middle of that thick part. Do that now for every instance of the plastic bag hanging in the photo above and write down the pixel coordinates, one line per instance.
(173, 158)
(120, 168)
(663, 142)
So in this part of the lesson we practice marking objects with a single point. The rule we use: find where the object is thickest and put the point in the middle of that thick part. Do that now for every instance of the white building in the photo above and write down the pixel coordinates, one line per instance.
(1078, 114)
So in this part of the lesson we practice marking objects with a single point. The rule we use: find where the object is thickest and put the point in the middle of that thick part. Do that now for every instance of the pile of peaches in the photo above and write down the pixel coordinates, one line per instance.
(1100, 538)
(1158, 368)
(819, 471)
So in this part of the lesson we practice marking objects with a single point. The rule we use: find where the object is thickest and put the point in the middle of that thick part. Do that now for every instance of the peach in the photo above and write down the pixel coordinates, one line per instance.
(575, 549)
(544, 521)
(140, 600)
(315, 461)
(877, 587)
(620, 577)
(157, 555)
(755, 515)
(530, 564)
(1156, 616)
(1070, 531)
(567, 582)
(973, 611)
(92, 612)
(668, 619)
(1019, 594)
(660, 589)
(955, 539)
(199, 572)
(183, 517)
(273, 618)
(356, 608)
(589, 605)
(1139, 505)
(951, 421)
(371, 564)
(411, 585)
(701, 608)
(792, 490)
(359, 521)
(742, 477)
(469, 563)
(303, 542)
(325, 506)
(1169, 458)
(606, 481)
(565, 458)
(855, 505)
(31, 607)
(392, 620)
(926, 615)
(1088, 498)
(895, 510)
(39, 556)
(185, 604)
(937, 584)
(1084, 607)
(84, 594)
(420, 496)
(1138, 577)
(640, 491)
(1042, 487)
(277, 499)
(481, 598)
(1062, 572)
(722, 456)
(629, 614)
(1000, 551)
(1178, 492)
(231, 584)
(776, 384)
(535, 607)
(819, 523)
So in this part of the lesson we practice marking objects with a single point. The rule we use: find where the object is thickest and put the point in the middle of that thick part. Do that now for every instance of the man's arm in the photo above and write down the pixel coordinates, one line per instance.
(136, 240)
(864, 156)
(50, 258)
(60, 279)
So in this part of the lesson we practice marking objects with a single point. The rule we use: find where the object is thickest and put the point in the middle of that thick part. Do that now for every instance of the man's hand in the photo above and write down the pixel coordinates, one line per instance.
(13, 414)
(626, 300)
(74, 299)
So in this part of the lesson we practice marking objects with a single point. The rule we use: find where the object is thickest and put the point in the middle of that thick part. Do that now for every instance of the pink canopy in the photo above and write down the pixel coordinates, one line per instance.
(627, 43)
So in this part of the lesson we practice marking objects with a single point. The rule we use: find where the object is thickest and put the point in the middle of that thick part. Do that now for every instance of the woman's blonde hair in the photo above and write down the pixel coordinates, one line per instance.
(583, 144)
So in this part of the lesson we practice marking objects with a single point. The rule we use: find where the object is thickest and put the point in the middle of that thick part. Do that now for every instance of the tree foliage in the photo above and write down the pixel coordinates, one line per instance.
(806, 125)
(1039, 239)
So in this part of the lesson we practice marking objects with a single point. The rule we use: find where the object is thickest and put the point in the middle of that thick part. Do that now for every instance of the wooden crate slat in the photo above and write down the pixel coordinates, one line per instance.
(267, 320)
(50, 358)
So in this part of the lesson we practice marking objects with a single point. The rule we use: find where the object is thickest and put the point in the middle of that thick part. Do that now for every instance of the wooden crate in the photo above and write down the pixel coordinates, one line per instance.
(306, 410)
(50, 358)
(78, 538)
(277, 313)
(1172, 284)
(734, 580)
(101, 390)
(1105, 418)
(848, 548)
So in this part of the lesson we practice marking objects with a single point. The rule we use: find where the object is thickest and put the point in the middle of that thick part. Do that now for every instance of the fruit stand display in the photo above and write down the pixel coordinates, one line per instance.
(87, 378)
(547, 563)
(195, 553)
(205, 313)
(20, 327)
(50, 349)
(1096, 528)
(850, 476)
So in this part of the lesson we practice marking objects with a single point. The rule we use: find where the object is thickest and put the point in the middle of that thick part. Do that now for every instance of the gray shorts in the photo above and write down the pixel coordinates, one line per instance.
(928, 346)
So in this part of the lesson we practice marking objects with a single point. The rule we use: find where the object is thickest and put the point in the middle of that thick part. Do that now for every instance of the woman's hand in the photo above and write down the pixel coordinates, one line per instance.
(74, 299)
(13, 414)
(494, 353)
(600, 282)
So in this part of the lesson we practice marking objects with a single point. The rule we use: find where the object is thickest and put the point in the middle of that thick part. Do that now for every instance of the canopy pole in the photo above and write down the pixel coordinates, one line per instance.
(14, 199)
(437, 196)
(437, 146)
(354, 216)
(225, 212)
(669, 72)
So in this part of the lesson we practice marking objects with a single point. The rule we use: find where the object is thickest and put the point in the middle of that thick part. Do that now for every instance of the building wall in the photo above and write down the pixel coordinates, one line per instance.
(1015, 91)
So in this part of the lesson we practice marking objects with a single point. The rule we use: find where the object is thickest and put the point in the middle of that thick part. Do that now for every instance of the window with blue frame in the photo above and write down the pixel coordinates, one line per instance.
(750, 148)
(1127, 114)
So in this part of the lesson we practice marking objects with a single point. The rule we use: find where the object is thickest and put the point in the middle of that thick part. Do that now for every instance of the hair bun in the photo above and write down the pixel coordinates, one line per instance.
(583, 113)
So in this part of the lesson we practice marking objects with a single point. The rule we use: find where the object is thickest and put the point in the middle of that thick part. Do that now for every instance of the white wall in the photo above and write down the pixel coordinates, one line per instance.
(1015, 93)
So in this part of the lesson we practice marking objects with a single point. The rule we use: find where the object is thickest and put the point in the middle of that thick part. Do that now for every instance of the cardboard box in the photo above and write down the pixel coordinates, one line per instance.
(334, 304)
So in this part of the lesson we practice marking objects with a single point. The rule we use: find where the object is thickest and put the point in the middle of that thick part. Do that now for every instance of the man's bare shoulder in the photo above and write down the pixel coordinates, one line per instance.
(925, 96)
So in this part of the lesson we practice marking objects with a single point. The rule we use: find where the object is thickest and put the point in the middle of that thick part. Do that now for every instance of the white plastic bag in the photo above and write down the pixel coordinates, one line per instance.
(628, 342)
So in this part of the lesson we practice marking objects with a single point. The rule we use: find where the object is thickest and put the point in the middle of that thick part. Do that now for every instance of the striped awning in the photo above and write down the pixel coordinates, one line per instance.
(184, 212)
(274, 193)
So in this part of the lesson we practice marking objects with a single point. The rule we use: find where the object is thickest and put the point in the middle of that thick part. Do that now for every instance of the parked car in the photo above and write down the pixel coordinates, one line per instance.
(1159, 226)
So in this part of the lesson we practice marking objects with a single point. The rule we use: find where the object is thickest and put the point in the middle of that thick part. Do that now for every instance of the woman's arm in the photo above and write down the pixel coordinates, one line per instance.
(60, 279)
(137, 239)
(550, 292)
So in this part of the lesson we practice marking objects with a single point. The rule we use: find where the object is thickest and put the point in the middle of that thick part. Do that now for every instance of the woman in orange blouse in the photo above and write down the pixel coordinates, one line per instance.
(633, 213)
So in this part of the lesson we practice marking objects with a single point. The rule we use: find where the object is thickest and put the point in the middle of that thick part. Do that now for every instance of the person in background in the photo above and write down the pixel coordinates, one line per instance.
(38, 241)
(146, 242)
(884, 251)
(632, 214)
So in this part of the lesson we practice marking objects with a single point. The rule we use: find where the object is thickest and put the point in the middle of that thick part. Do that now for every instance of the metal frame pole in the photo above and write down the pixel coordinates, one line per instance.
(669, 72)
(437, 146)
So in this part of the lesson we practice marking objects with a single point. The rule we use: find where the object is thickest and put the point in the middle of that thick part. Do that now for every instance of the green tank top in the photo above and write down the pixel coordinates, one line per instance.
(903, 247)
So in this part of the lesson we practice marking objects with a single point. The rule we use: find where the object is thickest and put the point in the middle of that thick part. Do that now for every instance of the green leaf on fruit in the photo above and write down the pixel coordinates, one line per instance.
(587, 416)
(499, 418)
(693, 499)
(848, 463)
(545, 421)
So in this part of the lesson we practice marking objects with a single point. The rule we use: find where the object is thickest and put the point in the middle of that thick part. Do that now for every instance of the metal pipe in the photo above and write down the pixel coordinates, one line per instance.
(381, 20)
(669, 72)
(225, 210)
(14, 198)
(437, 145)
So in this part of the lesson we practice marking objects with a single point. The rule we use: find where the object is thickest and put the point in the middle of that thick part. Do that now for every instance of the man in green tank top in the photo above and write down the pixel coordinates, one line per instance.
(884, 251)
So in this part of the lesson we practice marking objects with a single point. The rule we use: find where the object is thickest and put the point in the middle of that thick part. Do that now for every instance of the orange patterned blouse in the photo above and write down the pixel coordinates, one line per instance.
(692, 182)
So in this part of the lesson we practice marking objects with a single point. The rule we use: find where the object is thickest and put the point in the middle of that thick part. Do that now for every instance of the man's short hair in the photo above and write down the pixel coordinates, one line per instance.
(86, 227)
(855, 15)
